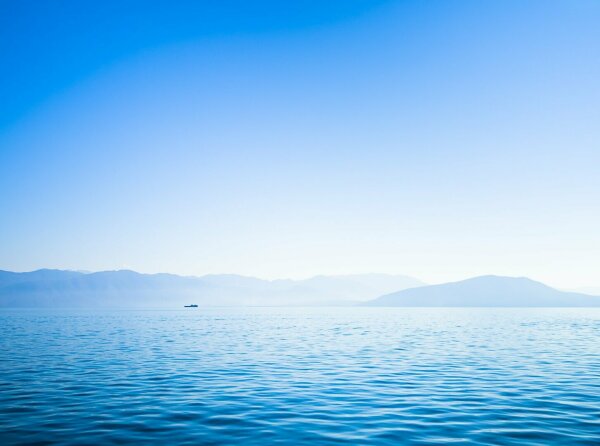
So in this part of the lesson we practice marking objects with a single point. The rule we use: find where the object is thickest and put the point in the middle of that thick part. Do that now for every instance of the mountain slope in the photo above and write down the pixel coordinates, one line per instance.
(486, 291)
(54, 288)
(8, 278)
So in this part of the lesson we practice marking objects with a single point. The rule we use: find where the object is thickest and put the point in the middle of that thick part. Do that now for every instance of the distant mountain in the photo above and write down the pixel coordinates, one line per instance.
(55, 288)
(348, 288)
(10, 278)
(594, 291)
(486, 291)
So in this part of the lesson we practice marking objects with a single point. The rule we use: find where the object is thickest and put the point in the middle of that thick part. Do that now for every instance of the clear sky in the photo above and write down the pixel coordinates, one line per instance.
(439, 139)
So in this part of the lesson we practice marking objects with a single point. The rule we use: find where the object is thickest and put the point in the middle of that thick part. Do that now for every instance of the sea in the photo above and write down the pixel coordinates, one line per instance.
(293, 376)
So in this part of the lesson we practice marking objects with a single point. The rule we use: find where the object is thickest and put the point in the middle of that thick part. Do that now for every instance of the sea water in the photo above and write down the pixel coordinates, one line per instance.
(259, 376)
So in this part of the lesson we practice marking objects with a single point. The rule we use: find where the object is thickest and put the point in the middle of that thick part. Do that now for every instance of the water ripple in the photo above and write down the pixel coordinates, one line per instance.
(292, 376)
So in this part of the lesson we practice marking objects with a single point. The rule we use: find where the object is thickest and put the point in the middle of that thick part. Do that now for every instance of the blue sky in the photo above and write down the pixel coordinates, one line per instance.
(285, 139)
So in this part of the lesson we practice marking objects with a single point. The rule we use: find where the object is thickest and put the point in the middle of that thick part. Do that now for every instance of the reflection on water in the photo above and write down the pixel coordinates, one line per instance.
(299, 375)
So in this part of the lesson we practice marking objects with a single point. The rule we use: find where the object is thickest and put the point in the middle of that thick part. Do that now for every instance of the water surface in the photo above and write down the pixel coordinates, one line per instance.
(259, 376)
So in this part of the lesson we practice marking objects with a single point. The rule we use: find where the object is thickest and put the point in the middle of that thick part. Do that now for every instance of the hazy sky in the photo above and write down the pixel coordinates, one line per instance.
(440, 139)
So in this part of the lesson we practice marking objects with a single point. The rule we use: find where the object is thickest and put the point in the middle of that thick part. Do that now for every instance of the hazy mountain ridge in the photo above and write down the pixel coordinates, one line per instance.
(594, 291)
(486, 291)
(11, 278)
(125, 288)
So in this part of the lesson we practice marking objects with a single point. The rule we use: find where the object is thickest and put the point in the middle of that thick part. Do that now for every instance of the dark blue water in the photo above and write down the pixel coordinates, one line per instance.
(259, 376)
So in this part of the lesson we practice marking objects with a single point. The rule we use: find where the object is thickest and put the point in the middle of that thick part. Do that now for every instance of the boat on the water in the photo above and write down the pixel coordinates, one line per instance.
(191, 306)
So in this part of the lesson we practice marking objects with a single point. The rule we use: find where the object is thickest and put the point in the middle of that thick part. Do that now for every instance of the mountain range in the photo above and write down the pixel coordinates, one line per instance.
(124, 288)
(486, 291)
